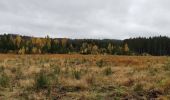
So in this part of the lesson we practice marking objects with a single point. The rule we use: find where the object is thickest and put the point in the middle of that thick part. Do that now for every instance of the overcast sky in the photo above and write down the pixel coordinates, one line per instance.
(117, 19)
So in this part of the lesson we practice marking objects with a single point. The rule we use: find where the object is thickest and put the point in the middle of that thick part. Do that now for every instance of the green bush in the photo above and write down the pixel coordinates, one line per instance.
(19, 73)
(41, 81)
(76, 74)
(100, 63)
(2, 68)
(108, 71)
(167, 66)
(4, 80)
(153, 71)
(57, 70)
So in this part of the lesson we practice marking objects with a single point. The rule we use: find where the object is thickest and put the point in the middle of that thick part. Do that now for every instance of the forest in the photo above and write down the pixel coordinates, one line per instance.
(157, 46)
(17, 44)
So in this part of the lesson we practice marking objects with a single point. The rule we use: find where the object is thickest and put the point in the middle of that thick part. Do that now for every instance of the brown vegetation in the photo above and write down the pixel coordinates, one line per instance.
(84, 77)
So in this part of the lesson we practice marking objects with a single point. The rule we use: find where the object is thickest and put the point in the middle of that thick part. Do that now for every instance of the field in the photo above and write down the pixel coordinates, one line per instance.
(84, 77)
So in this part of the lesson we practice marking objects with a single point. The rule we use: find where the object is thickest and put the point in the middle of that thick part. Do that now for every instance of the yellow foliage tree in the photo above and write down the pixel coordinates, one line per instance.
(34, 50)
(64, 42)
(94, 49)
(22, 50)
(110, 48)
(126, 48)
(18, 41)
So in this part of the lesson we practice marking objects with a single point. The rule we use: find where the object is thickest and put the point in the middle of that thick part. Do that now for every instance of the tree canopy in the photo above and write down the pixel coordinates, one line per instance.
(10, 43)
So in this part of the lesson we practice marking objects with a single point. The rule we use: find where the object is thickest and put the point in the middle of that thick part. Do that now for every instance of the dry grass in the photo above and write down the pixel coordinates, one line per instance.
(84, 77)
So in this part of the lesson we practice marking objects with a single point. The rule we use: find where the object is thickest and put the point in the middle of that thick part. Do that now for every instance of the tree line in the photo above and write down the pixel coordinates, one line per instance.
(159, 45)
(10, 43)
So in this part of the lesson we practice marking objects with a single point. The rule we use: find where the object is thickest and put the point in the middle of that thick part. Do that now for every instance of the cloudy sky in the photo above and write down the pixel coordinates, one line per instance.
(117, 19)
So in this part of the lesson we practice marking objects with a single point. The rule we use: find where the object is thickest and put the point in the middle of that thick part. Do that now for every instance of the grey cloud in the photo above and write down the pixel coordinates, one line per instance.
(85, 18)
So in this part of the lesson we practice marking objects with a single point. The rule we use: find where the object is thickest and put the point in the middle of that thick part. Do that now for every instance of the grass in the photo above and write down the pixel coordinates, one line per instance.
(42, 81)
(100, 63)
(4, 80)
(89, 77)
(76, 74)
(167, 66)
(107, 71)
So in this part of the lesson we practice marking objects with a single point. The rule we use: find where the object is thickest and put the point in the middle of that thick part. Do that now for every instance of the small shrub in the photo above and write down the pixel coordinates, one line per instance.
(57, 70)
(4, 80)
(76, 74)
(84, 60)
(84, 71)
(41, 81)
(108, 71)
(13, 70)
(19, 73)
(138, 88)
(119, 91)
(99, 97)
(90, 80)
(167, 67)
(153, 71)
(164, 84)
(129, 82)
(66, 73)
(2, 68)
(100, 63)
